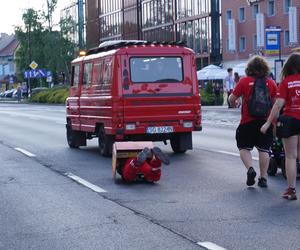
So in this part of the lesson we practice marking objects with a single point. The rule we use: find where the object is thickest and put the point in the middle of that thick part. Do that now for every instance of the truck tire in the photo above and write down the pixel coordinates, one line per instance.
(75, 139)
(181, 142)
(105, 142)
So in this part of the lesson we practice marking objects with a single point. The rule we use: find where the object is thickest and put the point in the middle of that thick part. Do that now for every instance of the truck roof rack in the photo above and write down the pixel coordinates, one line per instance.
(116, 44)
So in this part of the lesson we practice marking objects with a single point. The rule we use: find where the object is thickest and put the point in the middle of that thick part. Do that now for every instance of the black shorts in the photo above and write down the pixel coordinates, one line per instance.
(248, 135)
(287, 126)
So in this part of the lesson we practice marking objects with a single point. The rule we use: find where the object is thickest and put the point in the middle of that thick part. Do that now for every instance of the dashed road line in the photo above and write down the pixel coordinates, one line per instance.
(25, 152)
(233, 154)
(210, 246)
(85, 183)
(60, 123)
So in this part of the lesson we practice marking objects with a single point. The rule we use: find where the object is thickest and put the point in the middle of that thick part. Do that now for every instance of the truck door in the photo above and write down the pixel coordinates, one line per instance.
(73, 100)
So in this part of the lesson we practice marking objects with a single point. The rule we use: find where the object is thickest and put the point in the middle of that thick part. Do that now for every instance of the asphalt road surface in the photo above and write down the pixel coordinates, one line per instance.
(201, 201)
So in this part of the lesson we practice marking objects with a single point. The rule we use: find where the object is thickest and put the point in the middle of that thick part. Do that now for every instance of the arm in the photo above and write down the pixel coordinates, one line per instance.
(232, 100)
(279, 103)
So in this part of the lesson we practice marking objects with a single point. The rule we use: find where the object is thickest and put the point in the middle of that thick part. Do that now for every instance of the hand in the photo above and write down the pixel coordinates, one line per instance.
(265, 127)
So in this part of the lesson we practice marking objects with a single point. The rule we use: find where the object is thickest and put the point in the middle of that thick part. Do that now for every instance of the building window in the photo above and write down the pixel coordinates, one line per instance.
(242, 44)
(228, 15)
(255, 42)
(271, 8)
(286, 5)
(286, 38)
(242, 14)
(255, 10)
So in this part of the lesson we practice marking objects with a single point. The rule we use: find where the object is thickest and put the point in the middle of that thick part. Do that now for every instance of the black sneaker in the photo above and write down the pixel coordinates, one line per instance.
(161, 155)
(262, 182)
(251, 176)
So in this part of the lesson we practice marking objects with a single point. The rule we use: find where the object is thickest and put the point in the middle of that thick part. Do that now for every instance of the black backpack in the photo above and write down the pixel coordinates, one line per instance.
(260, 102)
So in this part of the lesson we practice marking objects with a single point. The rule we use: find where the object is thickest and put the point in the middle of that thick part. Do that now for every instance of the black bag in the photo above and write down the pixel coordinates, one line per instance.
(260, 102)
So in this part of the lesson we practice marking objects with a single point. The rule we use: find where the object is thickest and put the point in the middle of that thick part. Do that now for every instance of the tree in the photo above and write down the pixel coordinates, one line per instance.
(50, 49)
(48, 15)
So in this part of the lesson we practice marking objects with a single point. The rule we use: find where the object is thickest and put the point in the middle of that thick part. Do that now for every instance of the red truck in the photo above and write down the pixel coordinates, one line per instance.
(134, 90)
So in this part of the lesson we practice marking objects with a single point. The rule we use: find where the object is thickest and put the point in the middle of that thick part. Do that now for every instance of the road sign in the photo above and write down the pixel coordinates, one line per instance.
(37, 73)
(33, 65)
(273, 40)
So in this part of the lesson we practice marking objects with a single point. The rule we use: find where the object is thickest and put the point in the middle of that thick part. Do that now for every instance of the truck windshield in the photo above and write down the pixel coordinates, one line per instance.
(156, 69)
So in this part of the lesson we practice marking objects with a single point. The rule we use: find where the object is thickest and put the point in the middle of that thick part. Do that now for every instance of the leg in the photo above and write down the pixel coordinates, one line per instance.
(291, 147)
(264, 160)
(298, 147)
(246, 157)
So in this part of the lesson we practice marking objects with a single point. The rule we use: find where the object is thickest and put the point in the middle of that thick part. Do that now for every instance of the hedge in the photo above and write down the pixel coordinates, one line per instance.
(56, 95)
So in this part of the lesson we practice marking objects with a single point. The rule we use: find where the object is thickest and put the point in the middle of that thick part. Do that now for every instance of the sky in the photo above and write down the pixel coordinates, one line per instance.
(11, 12)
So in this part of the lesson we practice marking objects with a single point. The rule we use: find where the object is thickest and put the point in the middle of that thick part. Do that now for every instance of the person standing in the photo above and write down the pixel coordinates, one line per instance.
(288, 96)
(248, 133)
(236, 80)
(229, 85)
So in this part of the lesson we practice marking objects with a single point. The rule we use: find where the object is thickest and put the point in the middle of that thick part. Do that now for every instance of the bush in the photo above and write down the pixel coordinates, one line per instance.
(57, 95)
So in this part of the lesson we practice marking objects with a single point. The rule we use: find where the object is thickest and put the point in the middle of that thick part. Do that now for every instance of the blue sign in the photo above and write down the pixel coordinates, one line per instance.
(37, 73)
(273, 40)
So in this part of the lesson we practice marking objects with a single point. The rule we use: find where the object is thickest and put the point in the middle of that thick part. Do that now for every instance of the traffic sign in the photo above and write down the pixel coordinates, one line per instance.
(273, 39)
(33, 65)
(37, 73)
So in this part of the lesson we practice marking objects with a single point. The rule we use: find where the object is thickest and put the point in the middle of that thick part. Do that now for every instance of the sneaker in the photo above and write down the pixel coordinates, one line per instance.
(262, 182)
(290, 194)
(160, 155)
(140, 158)
(251, 176)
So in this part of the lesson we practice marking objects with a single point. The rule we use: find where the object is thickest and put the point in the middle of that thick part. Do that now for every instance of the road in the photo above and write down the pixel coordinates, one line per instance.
(201, 201)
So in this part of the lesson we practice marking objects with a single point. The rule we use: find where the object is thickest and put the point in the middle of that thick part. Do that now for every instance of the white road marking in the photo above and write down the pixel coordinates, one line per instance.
(33, 118)
(61, 123)
(210, 246)
(25, 152)
(234, 154)
(86, 183)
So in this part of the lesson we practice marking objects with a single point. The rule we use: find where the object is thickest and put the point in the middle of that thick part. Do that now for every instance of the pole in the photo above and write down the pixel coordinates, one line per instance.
(80, 23)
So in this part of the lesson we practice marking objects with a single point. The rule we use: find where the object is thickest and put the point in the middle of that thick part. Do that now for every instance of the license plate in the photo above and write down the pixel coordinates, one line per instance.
(160, 130)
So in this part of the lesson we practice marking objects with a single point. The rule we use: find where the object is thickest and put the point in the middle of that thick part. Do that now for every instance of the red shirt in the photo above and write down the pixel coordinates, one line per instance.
(289, 89)
(244, 89)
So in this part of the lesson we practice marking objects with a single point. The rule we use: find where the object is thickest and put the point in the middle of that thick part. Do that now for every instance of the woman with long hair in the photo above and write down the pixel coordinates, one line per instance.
(288, 96)
(248, 133)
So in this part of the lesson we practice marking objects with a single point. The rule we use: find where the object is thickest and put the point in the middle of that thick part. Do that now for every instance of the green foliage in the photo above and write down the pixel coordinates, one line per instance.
(57, 95)
(50, 49)
(208, 97)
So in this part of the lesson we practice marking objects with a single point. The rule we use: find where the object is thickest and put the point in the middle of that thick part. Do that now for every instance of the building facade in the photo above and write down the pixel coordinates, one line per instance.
(245, 25)
(197, 22)
(72, 18)
(8, 47)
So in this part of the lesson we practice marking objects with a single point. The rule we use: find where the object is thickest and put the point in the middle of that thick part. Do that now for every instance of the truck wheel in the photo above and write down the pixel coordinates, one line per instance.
(176, 145)
(105, 143)
(272, 170)
(71, 136)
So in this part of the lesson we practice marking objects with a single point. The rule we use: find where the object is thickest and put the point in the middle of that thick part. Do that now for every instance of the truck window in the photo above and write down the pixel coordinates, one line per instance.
(156, 69)
(75, 75)
(107, 72)
(97, 73)
(87, 74)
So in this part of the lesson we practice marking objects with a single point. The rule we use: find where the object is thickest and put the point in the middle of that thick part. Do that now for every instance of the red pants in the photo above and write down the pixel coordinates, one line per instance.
(150, 170)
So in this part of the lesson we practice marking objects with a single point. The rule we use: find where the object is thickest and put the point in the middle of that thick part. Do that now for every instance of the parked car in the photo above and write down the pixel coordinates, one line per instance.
(9, 93)
(37, 90)
(134, 90)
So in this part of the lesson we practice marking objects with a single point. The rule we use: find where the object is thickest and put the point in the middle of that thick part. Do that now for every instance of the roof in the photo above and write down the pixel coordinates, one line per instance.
(8, 46)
